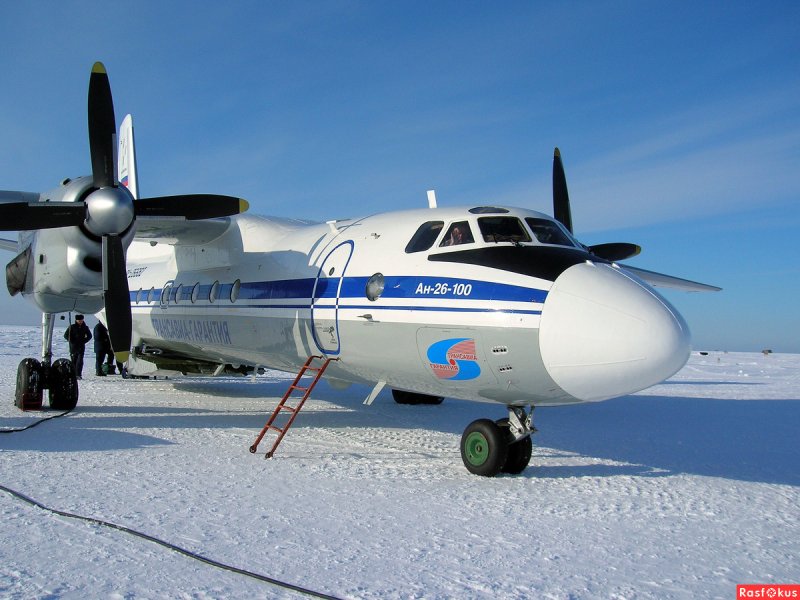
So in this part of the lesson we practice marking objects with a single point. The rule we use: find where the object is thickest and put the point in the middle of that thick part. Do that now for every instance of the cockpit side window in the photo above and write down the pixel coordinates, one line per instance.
(548, 232)
(503, 229)
(458, 233)
(425, 236)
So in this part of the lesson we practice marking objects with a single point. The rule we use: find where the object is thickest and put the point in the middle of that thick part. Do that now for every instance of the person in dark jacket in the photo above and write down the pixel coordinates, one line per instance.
(102, 350)
(77, 335)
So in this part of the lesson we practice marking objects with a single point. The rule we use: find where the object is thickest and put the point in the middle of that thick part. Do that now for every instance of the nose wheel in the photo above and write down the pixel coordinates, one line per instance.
(503, 446)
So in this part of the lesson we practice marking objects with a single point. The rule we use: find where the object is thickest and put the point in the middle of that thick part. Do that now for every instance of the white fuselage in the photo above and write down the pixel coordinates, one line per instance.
(271, 292)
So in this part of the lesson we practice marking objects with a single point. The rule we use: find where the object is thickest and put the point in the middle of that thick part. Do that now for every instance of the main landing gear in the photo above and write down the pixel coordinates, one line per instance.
(503, 446)
(33, 377)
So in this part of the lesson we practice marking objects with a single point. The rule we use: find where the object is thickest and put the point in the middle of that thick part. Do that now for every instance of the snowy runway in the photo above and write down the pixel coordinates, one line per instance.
(681, 491)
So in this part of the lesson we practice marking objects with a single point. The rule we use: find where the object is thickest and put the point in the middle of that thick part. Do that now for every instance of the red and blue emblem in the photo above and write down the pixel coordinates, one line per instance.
(454, 359)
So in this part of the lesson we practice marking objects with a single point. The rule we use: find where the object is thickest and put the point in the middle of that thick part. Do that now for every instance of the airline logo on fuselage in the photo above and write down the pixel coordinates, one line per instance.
(454, 359)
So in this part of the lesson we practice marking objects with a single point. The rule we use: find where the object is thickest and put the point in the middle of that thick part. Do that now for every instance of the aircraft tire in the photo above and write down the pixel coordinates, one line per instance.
(413, 398)
(484, 448)
(29, 390)
(519, 452)
(519, 455)
(63, 385)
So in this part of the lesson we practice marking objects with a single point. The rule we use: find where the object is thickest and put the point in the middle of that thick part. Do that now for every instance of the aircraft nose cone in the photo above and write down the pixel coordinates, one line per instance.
(604, 333)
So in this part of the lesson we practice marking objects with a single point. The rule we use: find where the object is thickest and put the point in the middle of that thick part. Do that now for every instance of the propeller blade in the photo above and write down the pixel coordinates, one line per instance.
(116, 296)
(191, 206)
(561, 210)
(615, 251)
(22, 211)
(102, 128)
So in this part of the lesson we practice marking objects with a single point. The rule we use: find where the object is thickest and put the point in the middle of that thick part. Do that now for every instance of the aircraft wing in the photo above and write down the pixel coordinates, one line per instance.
(180, 231)
(668, 281)
(10, 245)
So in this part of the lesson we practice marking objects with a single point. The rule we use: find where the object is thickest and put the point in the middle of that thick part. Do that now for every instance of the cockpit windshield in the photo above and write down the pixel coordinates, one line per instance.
(425, 236)
(492, 230)
(458, 233)
(503, 229)
(549, 232)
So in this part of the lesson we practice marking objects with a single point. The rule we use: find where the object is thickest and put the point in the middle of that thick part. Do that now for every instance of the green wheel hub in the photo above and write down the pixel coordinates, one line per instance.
(484, 448)
(476, 447)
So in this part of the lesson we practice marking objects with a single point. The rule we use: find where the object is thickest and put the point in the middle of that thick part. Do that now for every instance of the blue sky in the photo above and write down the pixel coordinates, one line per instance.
(679, 122)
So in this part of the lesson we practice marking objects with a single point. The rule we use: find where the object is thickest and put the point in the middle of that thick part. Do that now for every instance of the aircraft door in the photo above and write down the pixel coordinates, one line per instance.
(325, 299)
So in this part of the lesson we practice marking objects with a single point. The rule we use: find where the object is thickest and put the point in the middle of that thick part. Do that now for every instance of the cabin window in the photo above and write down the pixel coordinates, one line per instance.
(549, 232)
(503, 229)
(375, 286)
(195, 292)
(458, 233)
(212, 295)
(164, 300)
(150, 295)
(425, 236)
(139, 297)
(178, 291)
(237, 285)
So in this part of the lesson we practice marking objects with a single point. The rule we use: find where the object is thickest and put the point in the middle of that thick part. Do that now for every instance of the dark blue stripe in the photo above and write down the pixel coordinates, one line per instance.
(370, 307)
(451, 288)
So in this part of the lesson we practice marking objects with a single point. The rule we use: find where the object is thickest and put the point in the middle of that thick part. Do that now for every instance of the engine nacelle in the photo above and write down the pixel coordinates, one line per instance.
(64, 269)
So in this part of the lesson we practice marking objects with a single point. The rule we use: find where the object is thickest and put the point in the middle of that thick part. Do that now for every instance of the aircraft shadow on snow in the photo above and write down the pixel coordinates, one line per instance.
(747, 440)
(650, 436)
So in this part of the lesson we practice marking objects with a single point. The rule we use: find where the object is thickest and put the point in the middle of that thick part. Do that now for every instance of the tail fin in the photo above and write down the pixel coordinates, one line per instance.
(126, 169)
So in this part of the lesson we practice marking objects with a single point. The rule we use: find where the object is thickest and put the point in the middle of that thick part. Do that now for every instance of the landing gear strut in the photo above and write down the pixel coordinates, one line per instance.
(33, 377)
(503, 446)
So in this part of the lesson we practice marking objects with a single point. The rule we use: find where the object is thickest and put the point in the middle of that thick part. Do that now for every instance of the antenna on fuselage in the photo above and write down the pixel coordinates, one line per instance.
(431, 198)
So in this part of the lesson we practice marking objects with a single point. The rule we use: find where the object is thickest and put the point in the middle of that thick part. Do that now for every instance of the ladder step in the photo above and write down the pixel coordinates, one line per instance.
(292, 409)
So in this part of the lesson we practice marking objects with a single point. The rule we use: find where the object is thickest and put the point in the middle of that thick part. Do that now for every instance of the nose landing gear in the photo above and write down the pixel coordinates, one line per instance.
(503, 446)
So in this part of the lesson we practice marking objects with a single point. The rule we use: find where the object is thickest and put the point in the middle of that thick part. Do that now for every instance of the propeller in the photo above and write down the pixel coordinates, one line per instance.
(561, 210)
(116, 296)
(109, 210)
(613, 251)
(23, 210)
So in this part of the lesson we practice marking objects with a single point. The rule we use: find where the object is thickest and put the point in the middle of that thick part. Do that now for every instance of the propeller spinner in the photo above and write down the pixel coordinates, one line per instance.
(561, 211)
(109, 210)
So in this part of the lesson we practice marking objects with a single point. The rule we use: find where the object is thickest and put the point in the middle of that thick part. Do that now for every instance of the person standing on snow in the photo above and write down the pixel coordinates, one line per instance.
(102, 349)
(77, 335)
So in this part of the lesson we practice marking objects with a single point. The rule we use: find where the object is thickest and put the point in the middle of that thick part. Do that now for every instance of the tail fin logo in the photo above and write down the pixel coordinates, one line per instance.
(454, 359)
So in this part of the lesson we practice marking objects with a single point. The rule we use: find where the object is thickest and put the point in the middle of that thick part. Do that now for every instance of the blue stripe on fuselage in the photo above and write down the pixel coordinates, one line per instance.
(395, 287)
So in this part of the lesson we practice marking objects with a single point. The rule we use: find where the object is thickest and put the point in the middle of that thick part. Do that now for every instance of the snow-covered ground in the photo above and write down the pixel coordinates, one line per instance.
(681, 491)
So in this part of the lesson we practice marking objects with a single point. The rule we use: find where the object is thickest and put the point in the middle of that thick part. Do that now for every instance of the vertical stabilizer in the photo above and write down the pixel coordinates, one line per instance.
(126, 169)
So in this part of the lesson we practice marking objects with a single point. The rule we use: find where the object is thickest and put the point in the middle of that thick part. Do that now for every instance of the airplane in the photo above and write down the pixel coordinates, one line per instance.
(484, 303)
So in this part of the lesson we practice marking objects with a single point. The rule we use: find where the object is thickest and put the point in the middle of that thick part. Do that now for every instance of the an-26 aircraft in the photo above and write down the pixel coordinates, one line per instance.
(485, 303)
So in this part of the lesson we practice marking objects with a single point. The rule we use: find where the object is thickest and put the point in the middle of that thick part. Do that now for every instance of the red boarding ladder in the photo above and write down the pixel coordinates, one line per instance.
(292, 410)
